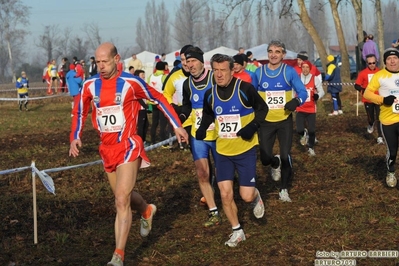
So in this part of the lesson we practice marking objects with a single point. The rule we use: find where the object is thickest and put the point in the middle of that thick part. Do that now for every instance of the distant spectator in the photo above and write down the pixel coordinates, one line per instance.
(22, 86)
(241, 50)
(131, 70)
(92, 67)
(85, 69)
(74, 82)
(370, 47)
(395, 43)
(163, 57)
(52, 72)
(239, 70)
(142, 121)
(134, 62)
(334, 87)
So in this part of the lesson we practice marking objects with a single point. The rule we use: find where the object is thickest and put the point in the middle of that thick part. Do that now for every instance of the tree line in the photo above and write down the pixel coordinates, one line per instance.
(311, 25)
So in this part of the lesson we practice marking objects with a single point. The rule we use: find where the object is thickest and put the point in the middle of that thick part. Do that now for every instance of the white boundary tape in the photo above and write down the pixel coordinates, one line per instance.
(34, 98)
(31, 88)
(339, 83)
(49, 183)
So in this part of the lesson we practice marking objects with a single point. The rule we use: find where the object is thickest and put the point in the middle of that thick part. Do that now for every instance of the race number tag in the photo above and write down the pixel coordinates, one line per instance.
(198, 119)
(369, 76)
(309, 91)
(229, 125)
(395, 105)
(110, 118)
(275, 99)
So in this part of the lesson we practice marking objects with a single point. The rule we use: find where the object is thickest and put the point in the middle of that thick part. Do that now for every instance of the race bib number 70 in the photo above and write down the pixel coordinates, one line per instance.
(110, 118)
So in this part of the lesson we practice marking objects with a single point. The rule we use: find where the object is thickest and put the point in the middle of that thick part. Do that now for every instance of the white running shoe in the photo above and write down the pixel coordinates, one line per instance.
(380, 140)
(146, 224)
(235, 238)
(284, 195)
(115, 261)
(333, 113)
(391, 179)
(276, 172)
(311, 152)
(304, 138)
(340, 112)
(370, 129)
(259, 209)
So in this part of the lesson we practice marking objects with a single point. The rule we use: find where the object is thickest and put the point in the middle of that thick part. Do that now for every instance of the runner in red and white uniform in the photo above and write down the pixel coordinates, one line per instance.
(114, 97)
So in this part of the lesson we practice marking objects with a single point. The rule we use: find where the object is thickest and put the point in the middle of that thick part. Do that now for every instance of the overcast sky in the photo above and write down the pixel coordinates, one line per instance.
(116, 19)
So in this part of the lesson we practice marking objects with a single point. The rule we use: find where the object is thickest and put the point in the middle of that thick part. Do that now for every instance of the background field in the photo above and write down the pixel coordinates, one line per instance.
(340, 200)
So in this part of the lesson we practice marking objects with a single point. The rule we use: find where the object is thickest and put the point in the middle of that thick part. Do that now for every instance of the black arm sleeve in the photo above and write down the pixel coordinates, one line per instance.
(187, 107)
(358, 87)
(251, 98)
(208, 116)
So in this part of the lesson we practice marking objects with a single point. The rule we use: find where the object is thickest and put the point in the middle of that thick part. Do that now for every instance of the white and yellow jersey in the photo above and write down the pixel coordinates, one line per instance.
(385, 83)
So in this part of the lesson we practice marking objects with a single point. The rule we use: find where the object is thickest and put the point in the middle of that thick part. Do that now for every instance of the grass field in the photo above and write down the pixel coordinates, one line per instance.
(340, 199)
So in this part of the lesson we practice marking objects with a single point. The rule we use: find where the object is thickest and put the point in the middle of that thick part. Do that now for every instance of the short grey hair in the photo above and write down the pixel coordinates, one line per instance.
(220, 58)
(277, 43)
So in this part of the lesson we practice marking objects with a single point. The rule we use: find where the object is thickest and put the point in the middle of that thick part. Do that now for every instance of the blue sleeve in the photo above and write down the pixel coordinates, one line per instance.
(18, 83)
(255, 78)
(296, 84)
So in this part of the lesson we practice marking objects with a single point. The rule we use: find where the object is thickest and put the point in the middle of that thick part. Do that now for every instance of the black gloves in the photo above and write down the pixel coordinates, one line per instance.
(248, 131)
(292, 105)
(43, 80)
(388, 100)
(315, 97)
(182, 118)
(200, 134)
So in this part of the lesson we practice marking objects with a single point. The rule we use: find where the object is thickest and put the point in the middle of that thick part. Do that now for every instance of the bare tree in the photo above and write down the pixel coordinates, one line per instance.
(49, 41)
(140, 35)
(391, 13)
(164, 29)
(65, 39)
(341, 40)
(380, 29)
(13, 13)
(93, 35)
(188, 22)
(79, 47)
(155, 34)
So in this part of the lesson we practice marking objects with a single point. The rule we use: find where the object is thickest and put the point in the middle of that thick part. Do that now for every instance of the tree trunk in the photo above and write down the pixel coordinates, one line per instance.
(345, 73)
(307, 23)
(357, 5)
(380, 30)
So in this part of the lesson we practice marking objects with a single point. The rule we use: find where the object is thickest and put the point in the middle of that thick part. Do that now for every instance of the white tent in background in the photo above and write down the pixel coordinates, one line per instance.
(260, 52)
(220, 50)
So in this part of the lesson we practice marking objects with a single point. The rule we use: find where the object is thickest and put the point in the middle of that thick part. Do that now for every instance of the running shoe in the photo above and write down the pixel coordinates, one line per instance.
(214, 219)
(333, 113)
(380, 140)
(235, 238)
(276, 172)
(340, 112)
(259, 209)
(146, 224)
(370, 129)
(311, 152)
(304, 138)
(115, 261)
(391, 179)
(284, 195)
